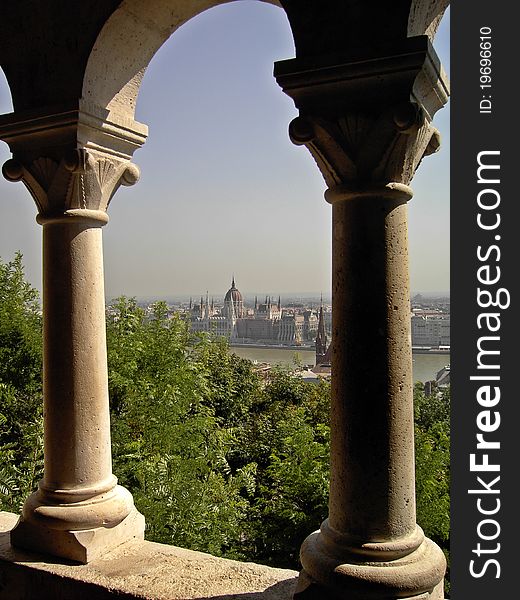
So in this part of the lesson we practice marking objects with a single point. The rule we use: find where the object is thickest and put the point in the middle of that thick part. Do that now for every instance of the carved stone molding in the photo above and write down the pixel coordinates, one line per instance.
(81, 180)
(71, 159)
(366, 118)
(360, 149)
(366, 80)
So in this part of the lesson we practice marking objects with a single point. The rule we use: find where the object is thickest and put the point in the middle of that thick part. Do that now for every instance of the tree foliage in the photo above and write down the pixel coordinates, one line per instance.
(432, 465)
(217, 459)
(21, 439)
(171, 435)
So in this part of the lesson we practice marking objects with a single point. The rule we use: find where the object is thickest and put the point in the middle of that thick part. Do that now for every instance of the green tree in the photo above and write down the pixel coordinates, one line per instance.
(171, 439)
(217, 459)
(21, 439)
(432, 466)
(287, 437)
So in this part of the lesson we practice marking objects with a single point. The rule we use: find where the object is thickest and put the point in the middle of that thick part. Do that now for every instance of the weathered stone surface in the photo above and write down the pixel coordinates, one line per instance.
(137, 570)
(367, 84)
(78, 512)
(365, 117)
(73, 158)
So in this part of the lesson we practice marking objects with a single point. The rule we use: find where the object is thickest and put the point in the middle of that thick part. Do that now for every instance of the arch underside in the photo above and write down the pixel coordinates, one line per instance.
(318, 28)
(56, 55)
(134, 33)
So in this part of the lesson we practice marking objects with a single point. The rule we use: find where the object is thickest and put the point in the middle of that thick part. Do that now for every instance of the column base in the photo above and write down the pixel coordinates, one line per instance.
(416, 576)
(82, 545)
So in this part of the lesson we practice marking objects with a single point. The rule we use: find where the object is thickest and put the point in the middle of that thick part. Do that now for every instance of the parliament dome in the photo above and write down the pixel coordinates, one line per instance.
(233, 302)
(233, 294)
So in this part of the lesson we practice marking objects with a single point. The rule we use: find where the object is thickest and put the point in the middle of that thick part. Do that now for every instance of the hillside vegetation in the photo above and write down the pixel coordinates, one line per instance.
(217, 460)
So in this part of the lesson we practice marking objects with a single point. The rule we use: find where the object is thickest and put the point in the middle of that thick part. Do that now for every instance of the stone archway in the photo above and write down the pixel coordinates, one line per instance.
(367, 83)
(134, 33)
(6, 104)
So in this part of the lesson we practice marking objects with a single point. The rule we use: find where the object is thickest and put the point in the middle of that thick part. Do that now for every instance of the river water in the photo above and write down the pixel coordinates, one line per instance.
(425, 366)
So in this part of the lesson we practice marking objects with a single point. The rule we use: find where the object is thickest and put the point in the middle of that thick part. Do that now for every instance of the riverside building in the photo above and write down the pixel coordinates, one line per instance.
(366, 82)
(430, 330)
(267, 323)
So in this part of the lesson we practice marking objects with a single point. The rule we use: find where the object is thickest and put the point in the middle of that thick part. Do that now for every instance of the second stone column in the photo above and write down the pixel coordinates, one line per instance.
(367, 123)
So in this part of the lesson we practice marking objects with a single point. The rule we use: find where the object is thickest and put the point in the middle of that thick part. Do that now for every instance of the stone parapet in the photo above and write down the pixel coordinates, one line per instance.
(136, 570)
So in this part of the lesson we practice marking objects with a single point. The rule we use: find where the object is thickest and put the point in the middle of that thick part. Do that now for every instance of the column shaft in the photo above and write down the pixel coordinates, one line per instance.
(365, 116)
(72, 162)
(370, 546)
(372, 454)
(78, 511)
(77, 423)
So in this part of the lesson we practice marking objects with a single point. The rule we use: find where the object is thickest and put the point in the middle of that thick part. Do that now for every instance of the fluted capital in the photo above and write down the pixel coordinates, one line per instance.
(359, 150)
(71, 159)
(366, 119)
(82, 179)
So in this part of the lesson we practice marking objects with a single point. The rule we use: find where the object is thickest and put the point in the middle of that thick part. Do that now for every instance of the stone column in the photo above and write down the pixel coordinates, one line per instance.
(368, 126)
(78, 512)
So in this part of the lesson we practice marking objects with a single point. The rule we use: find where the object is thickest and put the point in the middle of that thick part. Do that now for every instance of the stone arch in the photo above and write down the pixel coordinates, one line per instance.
(425, 17)
(195, 138)
(99, 51)
(6, 101)
(134, 33)
(359, 62)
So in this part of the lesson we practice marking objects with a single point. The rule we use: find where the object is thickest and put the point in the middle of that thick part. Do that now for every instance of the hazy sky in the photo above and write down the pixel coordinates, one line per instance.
(223, 191)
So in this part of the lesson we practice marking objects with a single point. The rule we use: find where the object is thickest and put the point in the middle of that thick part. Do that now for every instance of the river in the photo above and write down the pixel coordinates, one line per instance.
(425, 366)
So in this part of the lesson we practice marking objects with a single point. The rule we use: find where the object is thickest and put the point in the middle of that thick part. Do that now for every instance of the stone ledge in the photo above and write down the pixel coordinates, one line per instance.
(139, 571)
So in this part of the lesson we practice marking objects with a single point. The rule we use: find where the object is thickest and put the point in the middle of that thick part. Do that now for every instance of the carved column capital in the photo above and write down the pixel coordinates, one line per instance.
(359, 149)
(82, 179)
(366, 119)
(72, 159)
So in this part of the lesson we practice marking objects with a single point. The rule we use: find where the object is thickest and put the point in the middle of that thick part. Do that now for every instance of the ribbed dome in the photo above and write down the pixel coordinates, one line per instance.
(233, 295)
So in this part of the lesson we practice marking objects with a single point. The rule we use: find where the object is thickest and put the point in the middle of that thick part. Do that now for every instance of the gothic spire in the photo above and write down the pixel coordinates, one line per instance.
(321, 337)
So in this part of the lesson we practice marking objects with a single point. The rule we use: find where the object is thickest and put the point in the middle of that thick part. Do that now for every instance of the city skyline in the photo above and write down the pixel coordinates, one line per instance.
(222, 187)
(311, 297)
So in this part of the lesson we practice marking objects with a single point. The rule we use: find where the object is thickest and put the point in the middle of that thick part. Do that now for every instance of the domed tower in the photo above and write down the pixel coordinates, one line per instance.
(233, 302)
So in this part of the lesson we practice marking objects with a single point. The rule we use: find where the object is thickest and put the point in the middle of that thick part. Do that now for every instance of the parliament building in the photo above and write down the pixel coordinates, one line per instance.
(267, 322)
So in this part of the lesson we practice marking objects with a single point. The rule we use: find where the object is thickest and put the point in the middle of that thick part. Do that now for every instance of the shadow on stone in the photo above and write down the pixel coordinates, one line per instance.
(284, 590)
